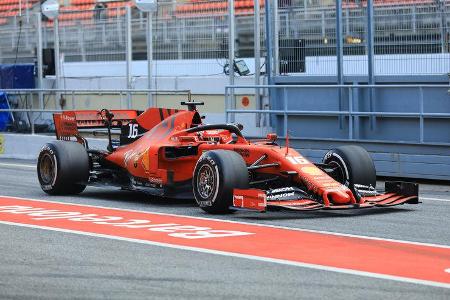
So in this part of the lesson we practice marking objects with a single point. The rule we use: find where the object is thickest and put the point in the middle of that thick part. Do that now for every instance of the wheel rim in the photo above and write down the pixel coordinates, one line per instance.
(206, 181)
(338, 174)
(47, 169)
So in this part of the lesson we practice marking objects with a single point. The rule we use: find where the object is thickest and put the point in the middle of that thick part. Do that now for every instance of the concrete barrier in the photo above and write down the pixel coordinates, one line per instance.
(25, 146)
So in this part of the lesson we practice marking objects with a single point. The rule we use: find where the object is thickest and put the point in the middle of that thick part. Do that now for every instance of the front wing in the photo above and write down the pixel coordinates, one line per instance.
(396, 193)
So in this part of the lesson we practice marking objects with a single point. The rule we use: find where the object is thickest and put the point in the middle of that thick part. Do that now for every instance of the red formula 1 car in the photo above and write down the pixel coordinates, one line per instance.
(171, 153)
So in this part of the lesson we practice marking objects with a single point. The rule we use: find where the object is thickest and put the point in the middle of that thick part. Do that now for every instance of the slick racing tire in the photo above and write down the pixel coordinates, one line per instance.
(63, 168)
(354, 166)
(216, 174)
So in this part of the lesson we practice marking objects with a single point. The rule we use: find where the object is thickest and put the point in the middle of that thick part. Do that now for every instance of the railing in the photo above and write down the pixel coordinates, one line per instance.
(350, 115)
(47, 101)
(408, 38)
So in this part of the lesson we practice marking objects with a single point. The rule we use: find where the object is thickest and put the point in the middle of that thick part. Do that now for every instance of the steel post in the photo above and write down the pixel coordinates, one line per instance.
(129, 54)
(40, 69)
(269, 42)
(231, 50)
(421, 120)
(276, 26)
(370, 59)
(57, 61)
(285, 113)
(257, 46)
(150, 57)
(443, 25)
(339, 57)
(350, 113)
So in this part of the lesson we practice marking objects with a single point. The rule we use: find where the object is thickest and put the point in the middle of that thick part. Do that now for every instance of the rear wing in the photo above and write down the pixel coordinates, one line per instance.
(67, 123)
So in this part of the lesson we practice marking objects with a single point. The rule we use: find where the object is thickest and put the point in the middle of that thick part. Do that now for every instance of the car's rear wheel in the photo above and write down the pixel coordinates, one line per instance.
(352, 165)
(63, 168)
(216, 174)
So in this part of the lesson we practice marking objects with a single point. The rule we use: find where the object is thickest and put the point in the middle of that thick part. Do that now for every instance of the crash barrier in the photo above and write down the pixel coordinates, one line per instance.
(30, 110)
(21, 146)
(405, 127)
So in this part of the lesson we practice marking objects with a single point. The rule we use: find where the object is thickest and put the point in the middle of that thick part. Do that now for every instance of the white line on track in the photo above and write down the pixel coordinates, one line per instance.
(251, 257)
(26, 166)
(435, 199)
(245, 223)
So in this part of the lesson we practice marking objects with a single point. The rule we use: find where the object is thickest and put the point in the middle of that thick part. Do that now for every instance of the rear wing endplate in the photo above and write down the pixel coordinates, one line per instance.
(67, 123)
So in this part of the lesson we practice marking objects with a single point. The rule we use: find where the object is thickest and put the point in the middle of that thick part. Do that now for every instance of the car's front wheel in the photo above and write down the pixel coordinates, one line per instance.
(352, 165)
(216, 174)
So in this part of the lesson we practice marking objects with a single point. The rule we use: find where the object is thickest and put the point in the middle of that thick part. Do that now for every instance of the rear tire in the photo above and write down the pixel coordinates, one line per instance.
(355, 166)
(63, 168)
(216, 174)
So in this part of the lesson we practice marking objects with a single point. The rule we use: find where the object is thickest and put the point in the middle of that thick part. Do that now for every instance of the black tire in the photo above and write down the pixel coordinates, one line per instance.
(355, 166)
(63, 168)
(216, 174)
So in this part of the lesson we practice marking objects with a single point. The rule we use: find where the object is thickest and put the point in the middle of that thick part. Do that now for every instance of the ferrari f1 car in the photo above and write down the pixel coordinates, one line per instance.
(171, 153)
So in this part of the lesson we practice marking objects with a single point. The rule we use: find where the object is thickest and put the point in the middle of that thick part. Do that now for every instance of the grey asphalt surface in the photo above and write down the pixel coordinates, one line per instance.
(40, 264)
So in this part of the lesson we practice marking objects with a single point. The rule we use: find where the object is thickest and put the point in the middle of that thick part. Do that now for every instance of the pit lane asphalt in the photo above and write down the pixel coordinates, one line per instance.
(42, 264)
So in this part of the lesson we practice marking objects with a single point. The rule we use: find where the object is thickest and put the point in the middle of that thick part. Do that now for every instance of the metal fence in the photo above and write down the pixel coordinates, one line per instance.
(355, 116)
(29, 110)
(404, 127)
(409, 38)
(18, 42)
(95, 35)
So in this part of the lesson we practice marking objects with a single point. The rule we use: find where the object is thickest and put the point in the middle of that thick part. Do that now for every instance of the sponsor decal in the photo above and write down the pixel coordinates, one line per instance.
(328, 155)
(182, 231)
(279, 196)
(155, 180)
(284, 189)
(245, 101)
(2, 144)
(132, 155)
(312, 170)
(46, 187)
(127, 156)
(145, 161)
(210, 160)
(68, 124)
(205, 203)
(242, 152)
(298, 160)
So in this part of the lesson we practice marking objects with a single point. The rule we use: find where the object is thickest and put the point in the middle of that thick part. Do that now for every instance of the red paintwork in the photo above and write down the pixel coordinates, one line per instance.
(370, 255)
(254, 199)
(145, 157)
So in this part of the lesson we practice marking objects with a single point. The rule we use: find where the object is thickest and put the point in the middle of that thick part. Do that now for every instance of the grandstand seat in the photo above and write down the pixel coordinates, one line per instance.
(80, 2)
(202, 7)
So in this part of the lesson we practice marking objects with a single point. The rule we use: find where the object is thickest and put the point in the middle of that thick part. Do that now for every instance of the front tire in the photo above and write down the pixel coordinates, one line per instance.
(216, 174)
(353, 165)
(63, 168)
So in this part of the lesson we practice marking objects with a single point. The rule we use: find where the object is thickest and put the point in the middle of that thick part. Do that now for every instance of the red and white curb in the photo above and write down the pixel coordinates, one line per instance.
(404, 261)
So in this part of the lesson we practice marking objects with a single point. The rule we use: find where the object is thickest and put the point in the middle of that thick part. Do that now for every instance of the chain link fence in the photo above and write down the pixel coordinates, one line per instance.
(409, 38)
(191, 37)
(18, 41)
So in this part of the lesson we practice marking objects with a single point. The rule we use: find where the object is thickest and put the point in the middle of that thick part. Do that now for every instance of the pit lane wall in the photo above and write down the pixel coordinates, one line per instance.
(407, 135)
(25, 146)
